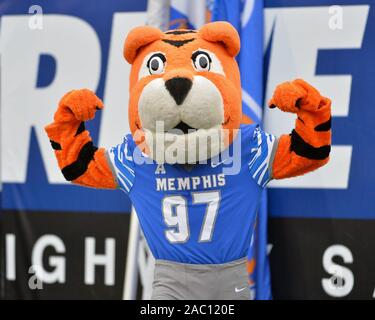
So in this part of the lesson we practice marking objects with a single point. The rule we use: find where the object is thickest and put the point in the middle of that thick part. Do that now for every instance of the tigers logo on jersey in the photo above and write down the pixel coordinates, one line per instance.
(184, 87)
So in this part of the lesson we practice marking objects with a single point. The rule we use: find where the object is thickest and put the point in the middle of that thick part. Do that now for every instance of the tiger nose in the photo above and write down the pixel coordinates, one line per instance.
(178, 88)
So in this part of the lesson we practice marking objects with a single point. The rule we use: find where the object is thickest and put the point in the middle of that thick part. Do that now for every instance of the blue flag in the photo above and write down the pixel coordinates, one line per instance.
(247, 17)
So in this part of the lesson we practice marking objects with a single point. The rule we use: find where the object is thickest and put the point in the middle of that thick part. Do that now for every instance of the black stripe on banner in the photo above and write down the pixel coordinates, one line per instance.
(55, 145)
(303, 149)
(79, 167)
(325, 126)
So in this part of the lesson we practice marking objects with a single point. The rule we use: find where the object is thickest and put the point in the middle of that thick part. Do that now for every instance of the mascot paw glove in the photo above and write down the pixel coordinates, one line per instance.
(295, 96)
(78, 105)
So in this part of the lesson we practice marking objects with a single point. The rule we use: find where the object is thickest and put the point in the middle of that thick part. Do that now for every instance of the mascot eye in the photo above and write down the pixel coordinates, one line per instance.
(201, 60)
(156, 63)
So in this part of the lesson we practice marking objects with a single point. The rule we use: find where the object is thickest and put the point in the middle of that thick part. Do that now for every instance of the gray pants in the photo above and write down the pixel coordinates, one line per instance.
(180, 281)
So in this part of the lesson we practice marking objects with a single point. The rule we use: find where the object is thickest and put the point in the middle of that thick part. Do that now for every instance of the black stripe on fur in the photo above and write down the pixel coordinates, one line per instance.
(79, 167)
(306, 150)
(81, 128)
(177, 43)
(178, 32)
(55, 145)
(325, 126)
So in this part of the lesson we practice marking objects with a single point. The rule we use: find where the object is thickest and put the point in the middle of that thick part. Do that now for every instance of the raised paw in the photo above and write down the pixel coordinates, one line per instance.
(82, 103)
(294, 96)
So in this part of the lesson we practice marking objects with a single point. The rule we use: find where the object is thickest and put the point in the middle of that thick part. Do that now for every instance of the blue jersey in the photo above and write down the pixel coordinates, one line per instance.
(202, 214)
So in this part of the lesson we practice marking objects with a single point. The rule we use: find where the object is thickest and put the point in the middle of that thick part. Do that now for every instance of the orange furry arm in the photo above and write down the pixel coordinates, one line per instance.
(308, 146)
(79, 160)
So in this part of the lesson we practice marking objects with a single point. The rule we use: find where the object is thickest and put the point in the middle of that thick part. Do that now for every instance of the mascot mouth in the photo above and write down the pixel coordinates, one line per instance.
(183, 128)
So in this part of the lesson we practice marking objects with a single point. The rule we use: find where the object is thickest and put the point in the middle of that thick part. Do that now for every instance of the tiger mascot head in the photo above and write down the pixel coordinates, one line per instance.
(184, 90)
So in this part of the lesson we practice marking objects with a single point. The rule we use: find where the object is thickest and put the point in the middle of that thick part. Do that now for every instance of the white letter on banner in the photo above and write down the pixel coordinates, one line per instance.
(298, 34)
(342, 281)
(10, 257)
(58, 262)
(114, 122)
(107, 260)
(76, 49)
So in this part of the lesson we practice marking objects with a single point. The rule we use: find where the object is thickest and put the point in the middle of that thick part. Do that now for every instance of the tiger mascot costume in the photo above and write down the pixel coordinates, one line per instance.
(196, 202)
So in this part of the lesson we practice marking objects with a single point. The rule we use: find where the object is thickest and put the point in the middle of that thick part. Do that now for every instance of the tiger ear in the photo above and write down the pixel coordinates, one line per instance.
(138, 38)
(222, 32)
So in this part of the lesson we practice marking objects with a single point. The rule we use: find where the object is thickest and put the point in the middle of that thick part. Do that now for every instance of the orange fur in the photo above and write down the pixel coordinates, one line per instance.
(138, 38)
(222, 32)
(77, 106)
(312, 110)
(220, 38)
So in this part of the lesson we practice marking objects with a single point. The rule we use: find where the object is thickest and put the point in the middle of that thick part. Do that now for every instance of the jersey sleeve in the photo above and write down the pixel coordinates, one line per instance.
(262, 149)
(121, 158)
